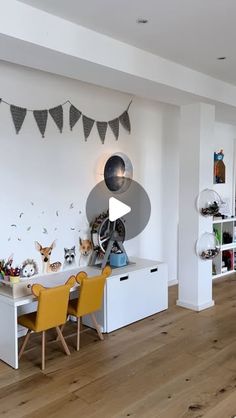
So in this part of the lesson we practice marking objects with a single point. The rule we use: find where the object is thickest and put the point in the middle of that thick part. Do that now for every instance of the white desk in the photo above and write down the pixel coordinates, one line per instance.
(11, 308)
(132, 292)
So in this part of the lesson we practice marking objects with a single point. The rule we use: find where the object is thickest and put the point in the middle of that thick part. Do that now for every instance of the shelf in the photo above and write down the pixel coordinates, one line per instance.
(220, 221)
(217, 276)
(224, 230)
(230, 246)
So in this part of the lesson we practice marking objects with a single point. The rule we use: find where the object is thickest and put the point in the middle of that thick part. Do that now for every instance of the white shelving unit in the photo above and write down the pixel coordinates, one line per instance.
(225, 262)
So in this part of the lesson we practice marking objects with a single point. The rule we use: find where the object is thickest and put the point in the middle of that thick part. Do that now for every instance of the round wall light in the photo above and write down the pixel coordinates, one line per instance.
(118, 173)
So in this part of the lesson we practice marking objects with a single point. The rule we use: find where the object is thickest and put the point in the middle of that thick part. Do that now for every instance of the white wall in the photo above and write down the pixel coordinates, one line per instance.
(62, 168)
(170, 195)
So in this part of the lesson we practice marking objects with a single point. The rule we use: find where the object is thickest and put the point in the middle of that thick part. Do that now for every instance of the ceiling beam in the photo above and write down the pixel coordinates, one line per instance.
(32, 37)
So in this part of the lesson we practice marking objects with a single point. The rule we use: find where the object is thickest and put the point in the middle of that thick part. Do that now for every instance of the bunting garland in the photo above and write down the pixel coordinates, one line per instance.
(102, 130)
(125, 122)
(41, 117)
(57, 115)
(74, 116)
(114, 125)
(87, 125)
(18, 115)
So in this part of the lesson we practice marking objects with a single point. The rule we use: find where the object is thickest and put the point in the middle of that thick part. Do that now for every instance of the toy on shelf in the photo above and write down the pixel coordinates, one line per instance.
(108, 238)
(219, 167)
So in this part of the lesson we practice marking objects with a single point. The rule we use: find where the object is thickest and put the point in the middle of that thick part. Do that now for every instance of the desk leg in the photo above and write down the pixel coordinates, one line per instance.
(8, 334)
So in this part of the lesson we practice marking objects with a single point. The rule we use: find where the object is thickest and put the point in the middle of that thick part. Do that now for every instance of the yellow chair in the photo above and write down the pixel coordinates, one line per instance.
(51, 313)
(90, 299)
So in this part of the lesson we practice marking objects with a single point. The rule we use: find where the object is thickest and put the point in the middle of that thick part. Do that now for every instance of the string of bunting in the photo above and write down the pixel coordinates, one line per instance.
(57, 114)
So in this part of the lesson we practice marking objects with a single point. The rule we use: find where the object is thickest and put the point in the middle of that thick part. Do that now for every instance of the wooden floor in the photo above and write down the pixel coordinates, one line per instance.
(175, 364)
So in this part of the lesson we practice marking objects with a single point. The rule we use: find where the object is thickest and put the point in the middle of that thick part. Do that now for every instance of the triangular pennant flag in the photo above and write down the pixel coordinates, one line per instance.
(57, 115)
(124, 120)
(74, 116)
(114, 125)
(41, 117)
(87, 124)
(18, 116)
(102, 130)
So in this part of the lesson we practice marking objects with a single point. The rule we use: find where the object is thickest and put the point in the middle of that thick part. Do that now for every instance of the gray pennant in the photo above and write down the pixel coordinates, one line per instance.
(125, 121)
(18, 116)
(74, 116)
(41, 117)
(57, 115)
(87, 125)
(114, 125)
(102, 130)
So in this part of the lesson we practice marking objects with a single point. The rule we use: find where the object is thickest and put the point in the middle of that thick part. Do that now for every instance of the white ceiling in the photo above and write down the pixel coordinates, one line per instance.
(190, 32)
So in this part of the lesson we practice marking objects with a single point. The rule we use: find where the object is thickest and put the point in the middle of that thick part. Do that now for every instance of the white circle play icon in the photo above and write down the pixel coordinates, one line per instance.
(117, 209)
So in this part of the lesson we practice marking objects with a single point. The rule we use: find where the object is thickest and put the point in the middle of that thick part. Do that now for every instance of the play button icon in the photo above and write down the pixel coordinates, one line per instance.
(134, 207)
(117, 209)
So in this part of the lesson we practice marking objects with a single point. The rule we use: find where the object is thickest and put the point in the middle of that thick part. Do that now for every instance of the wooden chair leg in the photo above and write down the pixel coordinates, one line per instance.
(78, 333)
(43, 350)
(97, 326)
(26, 339)
(60, 336)
(62, 328)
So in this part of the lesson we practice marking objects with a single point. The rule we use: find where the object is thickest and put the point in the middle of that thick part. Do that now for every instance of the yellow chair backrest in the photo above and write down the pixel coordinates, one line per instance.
(52, 305)
(91, 291)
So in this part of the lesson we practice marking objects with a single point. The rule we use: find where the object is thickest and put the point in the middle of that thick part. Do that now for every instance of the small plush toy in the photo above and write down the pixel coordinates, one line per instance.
(29, 268)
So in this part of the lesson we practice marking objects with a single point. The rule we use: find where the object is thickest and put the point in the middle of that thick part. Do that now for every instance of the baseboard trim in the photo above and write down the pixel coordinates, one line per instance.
(172, 282)
(196, 308)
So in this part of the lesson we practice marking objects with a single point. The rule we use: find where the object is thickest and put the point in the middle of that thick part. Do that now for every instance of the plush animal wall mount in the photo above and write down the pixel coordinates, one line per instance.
(46, 252)
(28, 269)
(69, 258)
(86, 249)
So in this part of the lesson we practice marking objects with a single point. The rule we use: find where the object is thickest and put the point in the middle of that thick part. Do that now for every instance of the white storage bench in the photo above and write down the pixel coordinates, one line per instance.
(132, 293)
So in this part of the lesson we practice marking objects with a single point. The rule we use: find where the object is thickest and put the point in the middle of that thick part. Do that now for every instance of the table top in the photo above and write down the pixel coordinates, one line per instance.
(59, 278)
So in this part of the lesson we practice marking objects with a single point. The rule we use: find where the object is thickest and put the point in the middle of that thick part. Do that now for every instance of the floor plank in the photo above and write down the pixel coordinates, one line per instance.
(175, 364)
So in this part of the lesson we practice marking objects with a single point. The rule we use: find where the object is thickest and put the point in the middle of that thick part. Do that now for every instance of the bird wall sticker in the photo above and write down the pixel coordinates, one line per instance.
(30, 221)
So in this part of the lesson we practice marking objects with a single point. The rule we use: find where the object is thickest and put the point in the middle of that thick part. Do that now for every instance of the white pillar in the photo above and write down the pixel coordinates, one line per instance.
(196, 174)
